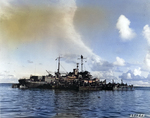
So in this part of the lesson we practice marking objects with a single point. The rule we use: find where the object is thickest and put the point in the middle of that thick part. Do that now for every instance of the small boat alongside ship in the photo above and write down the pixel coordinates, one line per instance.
(82, 81)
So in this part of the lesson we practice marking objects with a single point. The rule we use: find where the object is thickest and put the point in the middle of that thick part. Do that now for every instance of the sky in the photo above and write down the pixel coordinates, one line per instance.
(113, 36)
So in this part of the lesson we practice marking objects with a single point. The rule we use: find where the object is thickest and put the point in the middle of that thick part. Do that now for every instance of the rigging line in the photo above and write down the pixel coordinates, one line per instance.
(63, 68)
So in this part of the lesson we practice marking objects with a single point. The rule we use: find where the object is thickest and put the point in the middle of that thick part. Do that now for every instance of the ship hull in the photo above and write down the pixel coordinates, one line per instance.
(89, 88)
(34, 84)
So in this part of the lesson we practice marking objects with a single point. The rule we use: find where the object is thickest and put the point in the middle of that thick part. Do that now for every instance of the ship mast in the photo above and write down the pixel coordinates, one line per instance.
(81, 62)
(77, 66)
(58, 64)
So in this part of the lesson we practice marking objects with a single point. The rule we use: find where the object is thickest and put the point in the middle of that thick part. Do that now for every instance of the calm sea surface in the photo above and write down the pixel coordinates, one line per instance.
(44, 103)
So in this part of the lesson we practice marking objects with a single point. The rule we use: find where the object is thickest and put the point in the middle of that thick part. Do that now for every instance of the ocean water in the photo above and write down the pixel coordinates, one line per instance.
(45, 103)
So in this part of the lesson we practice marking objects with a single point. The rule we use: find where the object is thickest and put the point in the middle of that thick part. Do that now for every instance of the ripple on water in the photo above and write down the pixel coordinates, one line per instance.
(56, 103)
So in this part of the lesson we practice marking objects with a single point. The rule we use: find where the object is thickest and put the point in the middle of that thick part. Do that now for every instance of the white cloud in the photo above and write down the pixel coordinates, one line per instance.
(137, 71)
(119, 62)
(108, 75)
(147, 61)
(129, 76)
(101, 66)
(97, 74)
(126, 33)
(134, 77)
(139, 83)
(146, 33)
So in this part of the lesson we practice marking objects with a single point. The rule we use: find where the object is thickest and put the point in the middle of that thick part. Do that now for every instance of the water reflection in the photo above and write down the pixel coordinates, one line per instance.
(71, 103)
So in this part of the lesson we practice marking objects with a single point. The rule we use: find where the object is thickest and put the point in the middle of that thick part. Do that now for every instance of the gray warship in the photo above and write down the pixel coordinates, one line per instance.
(75, 80)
